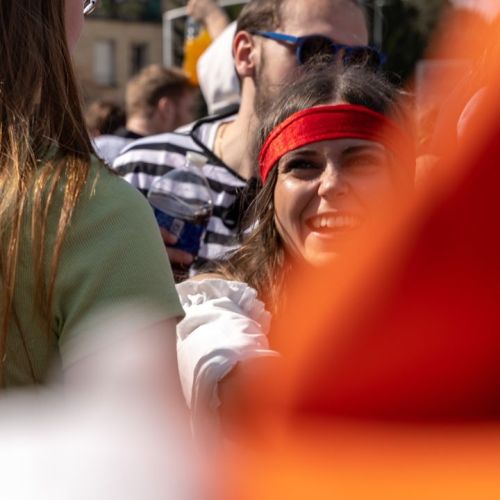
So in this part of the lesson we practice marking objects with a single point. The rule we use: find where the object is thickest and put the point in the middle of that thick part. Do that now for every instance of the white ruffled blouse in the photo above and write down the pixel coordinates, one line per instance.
(225, 323)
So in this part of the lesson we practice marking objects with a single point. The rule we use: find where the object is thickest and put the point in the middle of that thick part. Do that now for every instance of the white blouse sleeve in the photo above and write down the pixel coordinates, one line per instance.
(225, 323)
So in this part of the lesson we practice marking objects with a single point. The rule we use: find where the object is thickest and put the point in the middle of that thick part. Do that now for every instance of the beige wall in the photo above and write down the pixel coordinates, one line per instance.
(124, 34)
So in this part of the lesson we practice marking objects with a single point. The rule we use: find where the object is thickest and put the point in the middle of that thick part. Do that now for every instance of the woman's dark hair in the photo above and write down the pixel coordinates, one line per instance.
(104, 117)
(260, 261)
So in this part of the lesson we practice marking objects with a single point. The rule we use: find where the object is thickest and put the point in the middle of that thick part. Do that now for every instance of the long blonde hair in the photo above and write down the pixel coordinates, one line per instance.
(44, 145)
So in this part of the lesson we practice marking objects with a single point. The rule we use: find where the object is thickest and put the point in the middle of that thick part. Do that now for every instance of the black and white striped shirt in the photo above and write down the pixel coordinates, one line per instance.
(146, 159)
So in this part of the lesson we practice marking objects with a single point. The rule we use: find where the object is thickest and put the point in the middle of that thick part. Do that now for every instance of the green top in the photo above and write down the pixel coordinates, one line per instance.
(112, 254)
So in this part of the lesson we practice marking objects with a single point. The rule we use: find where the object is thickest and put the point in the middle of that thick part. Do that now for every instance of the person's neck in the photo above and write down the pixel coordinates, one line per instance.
(142, 126)
(235, 141)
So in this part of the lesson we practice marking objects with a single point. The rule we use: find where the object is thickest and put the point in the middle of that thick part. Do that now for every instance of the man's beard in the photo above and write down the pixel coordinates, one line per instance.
(265, 92)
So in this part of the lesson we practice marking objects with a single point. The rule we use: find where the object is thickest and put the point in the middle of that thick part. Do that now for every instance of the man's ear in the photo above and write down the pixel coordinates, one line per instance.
(245, 54)
(166, 109)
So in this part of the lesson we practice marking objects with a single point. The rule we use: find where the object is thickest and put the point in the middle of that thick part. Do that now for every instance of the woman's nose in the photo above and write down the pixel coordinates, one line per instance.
(332, 183)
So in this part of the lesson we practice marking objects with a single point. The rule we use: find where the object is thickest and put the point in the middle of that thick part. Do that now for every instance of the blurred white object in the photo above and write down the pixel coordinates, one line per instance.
(114, 431)
(225, 324)
(216, 74)
(470, 110)
(108, 147)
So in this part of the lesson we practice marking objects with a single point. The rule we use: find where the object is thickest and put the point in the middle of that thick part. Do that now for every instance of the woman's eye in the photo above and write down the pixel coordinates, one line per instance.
(365, 161)
(300, 164)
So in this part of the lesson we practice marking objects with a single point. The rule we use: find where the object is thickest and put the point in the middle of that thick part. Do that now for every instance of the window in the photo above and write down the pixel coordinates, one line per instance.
(105, 62)
(139, 57)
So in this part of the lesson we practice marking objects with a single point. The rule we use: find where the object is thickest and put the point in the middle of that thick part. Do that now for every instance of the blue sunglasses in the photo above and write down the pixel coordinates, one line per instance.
(311, 46)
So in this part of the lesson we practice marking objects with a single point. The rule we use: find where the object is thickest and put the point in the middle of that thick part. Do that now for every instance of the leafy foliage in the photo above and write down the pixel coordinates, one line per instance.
(407, 28)
(131, 10)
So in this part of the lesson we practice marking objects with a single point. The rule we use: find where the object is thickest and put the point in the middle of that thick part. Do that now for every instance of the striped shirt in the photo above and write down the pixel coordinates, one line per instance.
(146, 159)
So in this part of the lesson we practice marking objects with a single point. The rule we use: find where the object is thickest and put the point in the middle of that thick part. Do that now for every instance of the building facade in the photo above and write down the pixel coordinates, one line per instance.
(117, 42)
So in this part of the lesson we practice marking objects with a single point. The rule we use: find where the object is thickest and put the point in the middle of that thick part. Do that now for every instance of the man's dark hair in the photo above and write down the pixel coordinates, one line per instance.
(104, 117)
(266, 15)
(260, 15)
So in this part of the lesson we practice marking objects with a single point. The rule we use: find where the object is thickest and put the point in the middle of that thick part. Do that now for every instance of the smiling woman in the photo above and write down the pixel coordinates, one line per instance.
(335, 161)
(326, 191)
(333, 177)
(332, 163)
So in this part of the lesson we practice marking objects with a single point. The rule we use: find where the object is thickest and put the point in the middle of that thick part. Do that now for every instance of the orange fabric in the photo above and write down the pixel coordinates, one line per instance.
(392, 380)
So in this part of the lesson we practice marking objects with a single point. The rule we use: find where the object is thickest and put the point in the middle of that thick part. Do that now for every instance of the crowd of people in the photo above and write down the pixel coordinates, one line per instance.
(308, 150)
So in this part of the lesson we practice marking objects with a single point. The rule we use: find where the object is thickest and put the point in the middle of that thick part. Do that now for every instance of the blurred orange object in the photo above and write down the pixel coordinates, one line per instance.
(196, 42)
(393, 361)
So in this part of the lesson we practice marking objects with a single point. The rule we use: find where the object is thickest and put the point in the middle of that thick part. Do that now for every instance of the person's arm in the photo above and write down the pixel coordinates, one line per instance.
(213, 17)
(244, 399)
(225, 326)
(134, 167)
(124, 346)
(175, 255)
(113, 263)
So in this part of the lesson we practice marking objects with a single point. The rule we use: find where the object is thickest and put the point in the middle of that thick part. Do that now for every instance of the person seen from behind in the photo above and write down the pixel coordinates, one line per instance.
(157, 100)
(103, 117)
(75, 238)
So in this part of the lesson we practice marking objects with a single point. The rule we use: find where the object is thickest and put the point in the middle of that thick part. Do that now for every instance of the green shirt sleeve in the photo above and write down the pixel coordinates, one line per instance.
(113, 254)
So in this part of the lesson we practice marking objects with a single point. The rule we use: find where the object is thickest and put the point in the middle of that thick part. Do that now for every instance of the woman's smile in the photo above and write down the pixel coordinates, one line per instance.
(328, 192)
(332, 222)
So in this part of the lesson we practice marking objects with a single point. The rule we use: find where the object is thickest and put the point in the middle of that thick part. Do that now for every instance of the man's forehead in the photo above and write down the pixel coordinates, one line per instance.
(341, 20)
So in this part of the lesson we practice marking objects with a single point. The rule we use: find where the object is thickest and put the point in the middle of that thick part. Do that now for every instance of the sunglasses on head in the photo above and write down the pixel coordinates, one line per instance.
(89, 6)
(319, 46)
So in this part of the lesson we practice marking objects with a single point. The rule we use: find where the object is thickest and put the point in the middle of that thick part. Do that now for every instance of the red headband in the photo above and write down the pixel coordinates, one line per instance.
(322, 123)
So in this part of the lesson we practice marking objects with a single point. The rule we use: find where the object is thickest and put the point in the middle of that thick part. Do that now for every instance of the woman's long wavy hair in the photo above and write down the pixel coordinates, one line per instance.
(44, 146)
(261, 261)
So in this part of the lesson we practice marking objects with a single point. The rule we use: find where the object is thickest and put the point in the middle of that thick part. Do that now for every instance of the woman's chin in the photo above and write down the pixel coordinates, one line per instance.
(324, 258)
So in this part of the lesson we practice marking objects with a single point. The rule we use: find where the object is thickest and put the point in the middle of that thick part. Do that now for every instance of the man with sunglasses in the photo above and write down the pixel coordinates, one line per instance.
(273, 40)
(302, 32)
